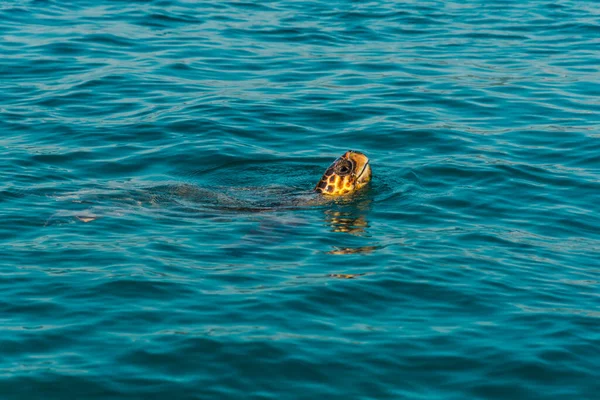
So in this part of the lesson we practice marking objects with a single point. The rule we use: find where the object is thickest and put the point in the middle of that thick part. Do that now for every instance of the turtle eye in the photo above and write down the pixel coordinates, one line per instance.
(344, 169)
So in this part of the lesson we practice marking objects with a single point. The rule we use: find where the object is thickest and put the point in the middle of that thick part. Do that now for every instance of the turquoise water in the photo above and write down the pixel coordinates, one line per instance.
(189, 134)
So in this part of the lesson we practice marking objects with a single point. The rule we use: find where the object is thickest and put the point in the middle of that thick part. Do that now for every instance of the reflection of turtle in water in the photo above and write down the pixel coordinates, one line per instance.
(346, 175)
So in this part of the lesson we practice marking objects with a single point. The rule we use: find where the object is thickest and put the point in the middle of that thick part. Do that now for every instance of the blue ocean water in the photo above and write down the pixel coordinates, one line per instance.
(158, 236)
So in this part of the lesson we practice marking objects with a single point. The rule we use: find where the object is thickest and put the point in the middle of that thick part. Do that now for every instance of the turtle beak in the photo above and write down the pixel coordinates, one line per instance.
(365, 175)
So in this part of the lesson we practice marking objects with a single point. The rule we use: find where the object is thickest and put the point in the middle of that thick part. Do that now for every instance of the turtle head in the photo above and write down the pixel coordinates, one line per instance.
(346, 175)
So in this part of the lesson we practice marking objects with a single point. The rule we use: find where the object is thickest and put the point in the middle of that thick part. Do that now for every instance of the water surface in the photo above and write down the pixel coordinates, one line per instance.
(187, 135)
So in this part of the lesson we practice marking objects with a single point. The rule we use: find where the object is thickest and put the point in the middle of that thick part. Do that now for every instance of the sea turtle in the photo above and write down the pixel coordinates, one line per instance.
(265, 212)
(346, 175)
